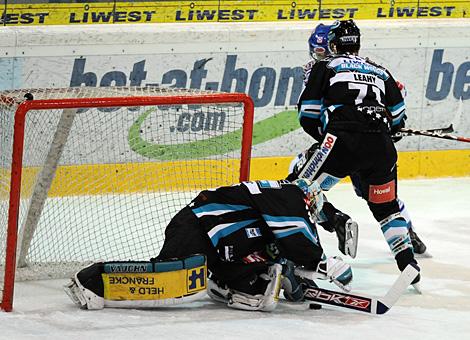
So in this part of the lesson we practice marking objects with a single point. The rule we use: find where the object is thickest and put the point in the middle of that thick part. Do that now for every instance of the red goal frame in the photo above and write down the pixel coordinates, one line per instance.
(23, 108)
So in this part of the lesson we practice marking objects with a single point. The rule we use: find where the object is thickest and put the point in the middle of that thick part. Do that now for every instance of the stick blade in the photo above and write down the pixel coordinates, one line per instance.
(364, 303)
(401, 284)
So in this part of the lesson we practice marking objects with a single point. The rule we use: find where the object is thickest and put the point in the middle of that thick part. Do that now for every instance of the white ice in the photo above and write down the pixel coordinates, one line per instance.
(440, 209)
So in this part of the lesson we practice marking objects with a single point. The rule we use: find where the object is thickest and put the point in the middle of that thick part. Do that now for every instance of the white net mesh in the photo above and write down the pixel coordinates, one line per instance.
(102, 183)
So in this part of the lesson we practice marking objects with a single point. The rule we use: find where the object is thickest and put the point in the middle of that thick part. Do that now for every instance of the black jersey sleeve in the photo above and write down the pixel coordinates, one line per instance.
(283, 208)
(395, 104)
(310, 102)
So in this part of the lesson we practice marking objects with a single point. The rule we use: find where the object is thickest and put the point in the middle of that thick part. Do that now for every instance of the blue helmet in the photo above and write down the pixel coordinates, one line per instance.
(318, 42)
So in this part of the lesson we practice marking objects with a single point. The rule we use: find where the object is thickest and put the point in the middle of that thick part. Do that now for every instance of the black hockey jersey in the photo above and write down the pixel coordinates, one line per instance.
(349, 89)
(241, 220)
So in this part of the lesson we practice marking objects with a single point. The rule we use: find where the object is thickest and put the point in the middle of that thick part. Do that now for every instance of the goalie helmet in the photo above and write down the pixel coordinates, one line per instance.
(313, 194)
(344, 36)
(318, 42)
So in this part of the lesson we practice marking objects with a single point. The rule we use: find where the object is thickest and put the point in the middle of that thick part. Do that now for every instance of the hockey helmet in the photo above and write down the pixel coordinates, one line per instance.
(318, 42)
(313, 194)
(344, 36)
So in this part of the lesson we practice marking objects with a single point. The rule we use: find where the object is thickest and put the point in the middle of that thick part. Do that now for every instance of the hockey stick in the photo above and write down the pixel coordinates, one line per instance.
(448, 129)
(362, 303)
(434, 133)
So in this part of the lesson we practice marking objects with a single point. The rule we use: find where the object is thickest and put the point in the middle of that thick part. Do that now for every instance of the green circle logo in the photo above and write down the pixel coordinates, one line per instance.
(263, 131)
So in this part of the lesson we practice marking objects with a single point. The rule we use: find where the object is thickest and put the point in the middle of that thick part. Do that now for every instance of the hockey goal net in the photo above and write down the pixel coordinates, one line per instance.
(91, 174)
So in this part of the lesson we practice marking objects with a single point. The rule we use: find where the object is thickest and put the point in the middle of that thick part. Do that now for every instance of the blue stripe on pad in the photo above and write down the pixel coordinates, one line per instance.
(168, 266)
(194, 261)
(396, 223)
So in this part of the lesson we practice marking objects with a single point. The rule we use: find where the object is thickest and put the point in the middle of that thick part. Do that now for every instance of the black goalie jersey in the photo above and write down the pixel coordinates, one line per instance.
(241, 220)
(350, 93)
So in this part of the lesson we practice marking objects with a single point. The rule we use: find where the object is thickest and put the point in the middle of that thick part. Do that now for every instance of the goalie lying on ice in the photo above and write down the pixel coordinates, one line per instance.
(250, 236)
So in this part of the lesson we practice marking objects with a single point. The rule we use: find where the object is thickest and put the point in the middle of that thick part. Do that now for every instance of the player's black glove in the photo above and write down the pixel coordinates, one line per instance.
(397, 137)
(395, 130)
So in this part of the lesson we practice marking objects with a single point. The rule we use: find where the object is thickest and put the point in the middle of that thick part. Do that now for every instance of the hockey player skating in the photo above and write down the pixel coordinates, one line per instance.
(253, 235)
(353, 106)
(319, 50)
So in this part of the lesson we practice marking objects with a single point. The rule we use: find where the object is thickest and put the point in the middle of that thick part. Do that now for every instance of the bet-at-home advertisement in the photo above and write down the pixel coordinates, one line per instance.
(264, 61)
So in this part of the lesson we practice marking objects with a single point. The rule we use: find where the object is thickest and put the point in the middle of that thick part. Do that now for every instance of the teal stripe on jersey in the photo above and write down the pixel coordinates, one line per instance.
(218, 209)
(396, 107)
(311, 115)
(223, 230)
(312, 101)
(290, 225)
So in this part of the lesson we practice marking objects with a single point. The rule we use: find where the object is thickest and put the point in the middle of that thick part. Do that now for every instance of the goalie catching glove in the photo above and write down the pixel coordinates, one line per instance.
(333, 269)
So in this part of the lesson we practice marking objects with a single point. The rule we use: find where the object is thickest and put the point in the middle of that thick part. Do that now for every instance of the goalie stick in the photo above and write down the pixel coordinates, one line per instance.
(362, 303)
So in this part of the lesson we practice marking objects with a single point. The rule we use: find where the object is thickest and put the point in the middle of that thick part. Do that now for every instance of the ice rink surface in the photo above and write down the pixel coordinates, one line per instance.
(440, 210)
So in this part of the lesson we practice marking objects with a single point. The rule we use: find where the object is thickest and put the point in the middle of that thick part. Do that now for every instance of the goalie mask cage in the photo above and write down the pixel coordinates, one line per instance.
(95, 174)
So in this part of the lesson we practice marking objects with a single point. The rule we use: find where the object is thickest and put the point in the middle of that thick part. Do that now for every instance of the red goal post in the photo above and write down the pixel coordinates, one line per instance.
(197, 140)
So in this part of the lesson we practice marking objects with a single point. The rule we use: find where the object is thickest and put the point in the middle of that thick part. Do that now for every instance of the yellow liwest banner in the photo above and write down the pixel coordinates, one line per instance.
(115, 12)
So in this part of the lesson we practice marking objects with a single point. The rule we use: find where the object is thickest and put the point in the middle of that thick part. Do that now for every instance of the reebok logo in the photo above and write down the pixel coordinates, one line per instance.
(335, 298)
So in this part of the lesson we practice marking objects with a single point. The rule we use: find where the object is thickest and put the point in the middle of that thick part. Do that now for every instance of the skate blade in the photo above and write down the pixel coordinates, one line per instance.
(425, 255)
(351, 238)
(417, 288)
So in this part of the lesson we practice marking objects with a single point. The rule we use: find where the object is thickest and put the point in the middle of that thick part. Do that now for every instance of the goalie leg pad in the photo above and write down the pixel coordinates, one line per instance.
(139, 284)
(218, 292)
(239, 300)
(266, 302)
(81, 295)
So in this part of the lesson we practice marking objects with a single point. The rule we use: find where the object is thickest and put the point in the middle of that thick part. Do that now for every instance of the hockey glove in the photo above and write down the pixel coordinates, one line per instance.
(396, 137)
(292, 289)
(395, 130)
(337, 271)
